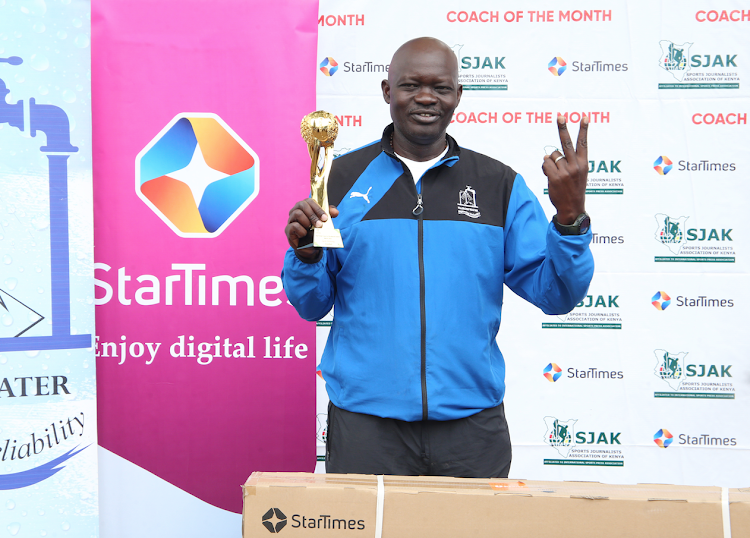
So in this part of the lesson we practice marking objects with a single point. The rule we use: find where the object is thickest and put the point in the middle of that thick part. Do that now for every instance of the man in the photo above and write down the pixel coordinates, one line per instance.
(412, 368)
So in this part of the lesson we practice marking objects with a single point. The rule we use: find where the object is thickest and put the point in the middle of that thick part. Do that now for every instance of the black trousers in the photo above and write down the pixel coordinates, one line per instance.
(473, 447)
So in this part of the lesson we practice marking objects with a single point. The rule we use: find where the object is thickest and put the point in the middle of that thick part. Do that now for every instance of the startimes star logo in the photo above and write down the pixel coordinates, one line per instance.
(197, 175)
(268, 520)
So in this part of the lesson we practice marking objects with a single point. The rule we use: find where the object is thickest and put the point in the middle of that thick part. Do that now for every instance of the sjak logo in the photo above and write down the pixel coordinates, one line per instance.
(663, 438)
(322, 431)
(268, 520)
(477, 62)
(467, 203)
(671, 232)
(560, 434)
(674, 58)
(670, 367)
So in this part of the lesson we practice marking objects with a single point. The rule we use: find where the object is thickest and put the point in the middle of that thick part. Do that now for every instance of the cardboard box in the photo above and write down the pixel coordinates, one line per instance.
(310, 505)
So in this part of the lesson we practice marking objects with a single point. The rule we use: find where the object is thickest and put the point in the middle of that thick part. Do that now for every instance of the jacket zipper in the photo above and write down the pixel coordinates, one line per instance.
(418, 211)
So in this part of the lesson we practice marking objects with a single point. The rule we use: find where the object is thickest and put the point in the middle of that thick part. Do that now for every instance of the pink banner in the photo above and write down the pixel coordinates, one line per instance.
(205, 372)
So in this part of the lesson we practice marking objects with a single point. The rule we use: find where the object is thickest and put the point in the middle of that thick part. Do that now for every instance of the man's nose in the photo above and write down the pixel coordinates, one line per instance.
(425, 96)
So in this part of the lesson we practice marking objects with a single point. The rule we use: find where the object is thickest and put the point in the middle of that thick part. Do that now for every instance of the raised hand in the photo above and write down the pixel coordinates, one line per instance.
(566, 173)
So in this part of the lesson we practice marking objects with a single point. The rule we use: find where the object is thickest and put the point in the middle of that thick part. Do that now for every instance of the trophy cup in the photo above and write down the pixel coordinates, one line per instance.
(319, 129)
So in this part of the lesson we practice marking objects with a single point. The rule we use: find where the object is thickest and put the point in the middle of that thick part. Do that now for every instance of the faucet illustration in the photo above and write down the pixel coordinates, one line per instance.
(53, 122)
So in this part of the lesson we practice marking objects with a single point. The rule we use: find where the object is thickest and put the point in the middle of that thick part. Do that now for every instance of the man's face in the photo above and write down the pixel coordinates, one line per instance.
(423, 91)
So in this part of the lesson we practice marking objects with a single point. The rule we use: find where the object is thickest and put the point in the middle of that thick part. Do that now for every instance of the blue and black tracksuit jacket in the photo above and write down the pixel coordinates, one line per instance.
(417, 295)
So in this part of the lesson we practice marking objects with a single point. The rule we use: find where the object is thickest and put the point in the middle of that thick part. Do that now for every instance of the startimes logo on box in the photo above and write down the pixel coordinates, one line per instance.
(197, 175)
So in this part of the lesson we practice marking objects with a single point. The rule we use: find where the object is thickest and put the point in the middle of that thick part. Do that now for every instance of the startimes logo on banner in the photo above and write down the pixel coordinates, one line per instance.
(557, 66)
(661, 301)
(197, 175)
(664, 165)
(552, 372)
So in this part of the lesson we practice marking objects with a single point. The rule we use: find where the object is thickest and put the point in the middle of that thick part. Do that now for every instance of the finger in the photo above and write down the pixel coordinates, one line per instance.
(298, 216)
(582, 148)
(294, 232)
(318, 216)
(308, 213)
(557, 156)
(567, 144)
(549, 167)
(333, 210)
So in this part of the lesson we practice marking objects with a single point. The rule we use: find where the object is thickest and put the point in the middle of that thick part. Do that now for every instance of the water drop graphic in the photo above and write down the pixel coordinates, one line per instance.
(69, 96)
(38, 27)
(11, 283)
(7, 260)
(6, 319)
(62, 34)
(10, 505)
(13, 528)
(65, 526)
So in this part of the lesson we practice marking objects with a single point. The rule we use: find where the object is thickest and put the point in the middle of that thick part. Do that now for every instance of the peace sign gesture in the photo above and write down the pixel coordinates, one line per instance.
(566, 173)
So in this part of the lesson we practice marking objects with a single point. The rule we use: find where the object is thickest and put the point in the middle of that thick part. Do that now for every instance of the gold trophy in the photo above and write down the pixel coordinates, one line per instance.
(319, 129)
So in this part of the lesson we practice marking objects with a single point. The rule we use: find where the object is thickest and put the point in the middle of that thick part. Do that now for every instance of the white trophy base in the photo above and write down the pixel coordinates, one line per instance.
(327, 238)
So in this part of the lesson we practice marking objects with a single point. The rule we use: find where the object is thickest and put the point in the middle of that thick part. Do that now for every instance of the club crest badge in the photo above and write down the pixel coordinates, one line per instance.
(467, 203)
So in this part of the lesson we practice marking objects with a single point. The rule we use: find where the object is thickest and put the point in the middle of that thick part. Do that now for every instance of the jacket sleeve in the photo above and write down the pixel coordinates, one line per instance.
(547, 269)
(310, 287)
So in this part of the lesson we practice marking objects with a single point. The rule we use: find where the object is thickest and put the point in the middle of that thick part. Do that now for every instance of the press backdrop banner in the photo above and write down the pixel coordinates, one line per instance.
(48, 456)
(647, 379)
(206, 372)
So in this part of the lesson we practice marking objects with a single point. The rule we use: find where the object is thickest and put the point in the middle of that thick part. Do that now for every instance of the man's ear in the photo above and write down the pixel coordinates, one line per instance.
(386, 91)
(460, 93)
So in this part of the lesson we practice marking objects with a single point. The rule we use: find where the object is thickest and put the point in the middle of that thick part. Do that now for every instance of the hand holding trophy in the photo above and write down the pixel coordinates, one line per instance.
(319, 129)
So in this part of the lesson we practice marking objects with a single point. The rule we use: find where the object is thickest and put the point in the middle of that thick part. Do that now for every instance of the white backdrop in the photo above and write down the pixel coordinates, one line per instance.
(635, 393)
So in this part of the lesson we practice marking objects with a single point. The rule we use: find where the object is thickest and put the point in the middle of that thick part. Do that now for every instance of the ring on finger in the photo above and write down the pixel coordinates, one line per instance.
(560, 157)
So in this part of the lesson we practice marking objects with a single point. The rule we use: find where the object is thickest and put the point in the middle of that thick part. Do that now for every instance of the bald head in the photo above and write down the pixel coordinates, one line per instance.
(423, 51)
(423, 91)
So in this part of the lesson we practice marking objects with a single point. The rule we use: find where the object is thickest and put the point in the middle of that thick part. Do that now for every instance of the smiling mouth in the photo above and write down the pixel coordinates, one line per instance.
(425, 116)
